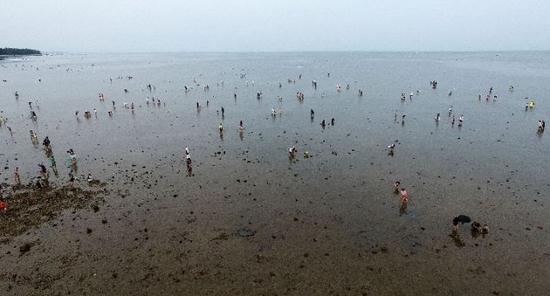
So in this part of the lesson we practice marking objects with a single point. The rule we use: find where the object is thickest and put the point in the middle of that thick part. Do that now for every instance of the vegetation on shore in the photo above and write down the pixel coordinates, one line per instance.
(18, 51)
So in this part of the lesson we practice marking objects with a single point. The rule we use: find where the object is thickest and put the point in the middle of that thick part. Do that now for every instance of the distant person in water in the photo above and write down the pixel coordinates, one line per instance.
(437, 117)
(332, 121)
(188, 161)
(391, 149)
(542, 126)
(396, 185)
(323, 124)
(292, 152)
(17, 176)
(34, 137)
(403, 199)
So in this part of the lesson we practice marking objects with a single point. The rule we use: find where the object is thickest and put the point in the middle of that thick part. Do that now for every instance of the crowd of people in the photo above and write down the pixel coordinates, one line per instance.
(43, 173)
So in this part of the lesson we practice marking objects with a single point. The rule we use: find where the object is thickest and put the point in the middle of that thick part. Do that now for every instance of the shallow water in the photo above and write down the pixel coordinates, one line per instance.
(337, 206)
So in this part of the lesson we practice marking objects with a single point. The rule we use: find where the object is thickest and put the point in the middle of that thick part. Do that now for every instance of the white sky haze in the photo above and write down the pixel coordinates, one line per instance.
(279, 25)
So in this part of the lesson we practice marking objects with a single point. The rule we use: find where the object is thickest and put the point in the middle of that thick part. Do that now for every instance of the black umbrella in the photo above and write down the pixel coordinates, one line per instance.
(461, 219)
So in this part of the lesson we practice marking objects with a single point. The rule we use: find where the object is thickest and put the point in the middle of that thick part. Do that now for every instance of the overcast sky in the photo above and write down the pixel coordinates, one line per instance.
(274, 25)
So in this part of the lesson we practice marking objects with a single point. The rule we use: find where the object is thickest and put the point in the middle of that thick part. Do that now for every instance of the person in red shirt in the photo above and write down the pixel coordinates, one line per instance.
(3, 206)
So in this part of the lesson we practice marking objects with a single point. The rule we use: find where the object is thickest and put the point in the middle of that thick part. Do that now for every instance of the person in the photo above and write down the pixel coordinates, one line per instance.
(17, 176)
(3, 205)
(332, 121)
(51, 159)
(34, 137)
(476, 228)
(188, 161)
(453, 121)
(396, 185)
(46, 142)
(460, 120)
(311, 113)
(72, 159)
(43, 171)
(223, 111)
(186, 150)
(323, 124)
(221, 128)
(403, 199)
(292, 152)
(437, 117)
(391, 149)
(542, 125)
(72, 178)
(462, 219)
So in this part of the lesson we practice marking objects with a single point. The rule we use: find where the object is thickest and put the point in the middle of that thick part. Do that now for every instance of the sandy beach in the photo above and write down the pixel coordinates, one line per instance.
(248, 220)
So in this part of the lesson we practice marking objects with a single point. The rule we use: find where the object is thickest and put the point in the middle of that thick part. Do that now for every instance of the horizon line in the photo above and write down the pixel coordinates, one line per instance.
(294, 51)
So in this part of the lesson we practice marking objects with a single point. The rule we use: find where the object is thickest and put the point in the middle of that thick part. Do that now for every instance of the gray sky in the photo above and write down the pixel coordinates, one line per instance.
(274, 25)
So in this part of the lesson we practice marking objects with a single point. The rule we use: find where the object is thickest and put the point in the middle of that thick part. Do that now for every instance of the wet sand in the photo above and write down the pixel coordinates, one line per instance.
(250, 222)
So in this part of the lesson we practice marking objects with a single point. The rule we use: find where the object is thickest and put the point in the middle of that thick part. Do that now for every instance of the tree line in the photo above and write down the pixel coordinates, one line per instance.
(19, 51)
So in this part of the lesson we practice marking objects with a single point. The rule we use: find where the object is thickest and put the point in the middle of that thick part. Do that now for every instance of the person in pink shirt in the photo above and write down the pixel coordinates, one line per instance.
(404, 199)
